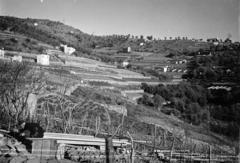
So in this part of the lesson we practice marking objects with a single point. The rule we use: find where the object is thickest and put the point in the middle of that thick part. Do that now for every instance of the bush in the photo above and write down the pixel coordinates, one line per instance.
(188, 100)
(14, 40)
(146, 100)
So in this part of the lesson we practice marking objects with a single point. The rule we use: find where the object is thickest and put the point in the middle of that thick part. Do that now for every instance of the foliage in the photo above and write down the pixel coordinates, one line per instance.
(188, 99)
(146, 100)
(158, 101)
(219, 66)
(21, 45)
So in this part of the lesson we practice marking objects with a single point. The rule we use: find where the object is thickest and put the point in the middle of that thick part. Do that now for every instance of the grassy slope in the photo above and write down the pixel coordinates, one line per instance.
(173, 124)
(168, 46)
(47, 31)
(15, 42)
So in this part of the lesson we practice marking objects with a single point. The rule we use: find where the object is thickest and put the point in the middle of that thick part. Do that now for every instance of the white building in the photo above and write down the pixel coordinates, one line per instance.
(43, 59)
(141, 44)
(165, 69)
(17, 58)
(129, 49)
(67, 50)
(215, 43)
(2, 53)
(125, 63)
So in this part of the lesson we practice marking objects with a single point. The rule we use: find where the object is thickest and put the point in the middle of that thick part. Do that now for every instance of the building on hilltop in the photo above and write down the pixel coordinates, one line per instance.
(214, 41)
(228, 41)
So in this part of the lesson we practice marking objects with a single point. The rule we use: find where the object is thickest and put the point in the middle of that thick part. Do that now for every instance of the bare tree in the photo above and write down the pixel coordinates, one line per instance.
(65, 109)
(77, 113)
(17, 82)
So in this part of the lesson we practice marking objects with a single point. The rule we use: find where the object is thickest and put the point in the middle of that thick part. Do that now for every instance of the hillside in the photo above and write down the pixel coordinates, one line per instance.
(62, 89)
(56, 33)
(17, 42)
(49, 32)
(97, 86)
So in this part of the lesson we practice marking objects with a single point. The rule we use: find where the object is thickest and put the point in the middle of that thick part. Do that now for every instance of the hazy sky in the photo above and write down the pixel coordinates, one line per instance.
(191, 18)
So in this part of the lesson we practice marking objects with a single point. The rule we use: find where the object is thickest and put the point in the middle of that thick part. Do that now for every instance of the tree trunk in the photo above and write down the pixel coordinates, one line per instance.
(31, 105)
(16, 121)
(109, 150)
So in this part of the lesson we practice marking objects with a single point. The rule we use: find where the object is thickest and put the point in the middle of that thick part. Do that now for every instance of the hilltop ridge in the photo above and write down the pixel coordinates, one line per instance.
(55, 33)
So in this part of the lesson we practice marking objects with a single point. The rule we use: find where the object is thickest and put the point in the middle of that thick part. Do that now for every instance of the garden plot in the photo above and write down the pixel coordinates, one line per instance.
(94, 71)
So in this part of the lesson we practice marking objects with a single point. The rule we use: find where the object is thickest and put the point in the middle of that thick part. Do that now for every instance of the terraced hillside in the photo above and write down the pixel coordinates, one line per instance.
(74, 81)
(139, 120)
(97, 87)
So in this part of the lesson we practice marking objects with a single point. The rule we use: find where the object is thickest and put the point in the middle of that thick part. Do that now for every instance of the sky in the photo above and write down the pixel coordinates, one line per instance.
(159, 18)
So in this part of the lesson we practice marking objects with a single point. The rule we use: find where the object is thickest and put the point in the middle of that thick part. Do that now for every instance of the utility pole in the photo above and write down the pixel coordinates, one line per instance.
(210, 151)
(164, 138)
(154, 140)
(172, 147)
(238, 146)
(209, 134)
(191, 151)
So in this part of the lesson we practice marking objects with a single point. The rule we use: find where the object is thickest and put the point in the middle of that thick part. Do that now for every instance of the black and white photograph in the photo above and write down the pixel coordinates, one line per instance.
(119, 81)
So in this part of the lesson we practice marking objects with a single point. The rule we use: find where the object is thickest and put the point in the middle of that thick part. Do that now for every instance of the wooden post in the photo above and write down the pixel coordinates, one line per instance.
(210, 153)
(109, 150)
(164, 143)
(154, 140)
(185, 145)
(9, 124)
(132, 149)
(237, 150)
(191, 151)
(172, 148)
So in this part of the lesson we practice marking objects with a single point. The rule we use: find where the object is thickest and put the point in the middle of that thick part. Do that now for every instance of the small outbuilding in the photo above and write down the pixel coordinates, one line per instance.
(141, 44)
(2, 53)
(17, 58)
(127, 50)
(43, 59)
(67, 50)
(125, 63)
(165, 68)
